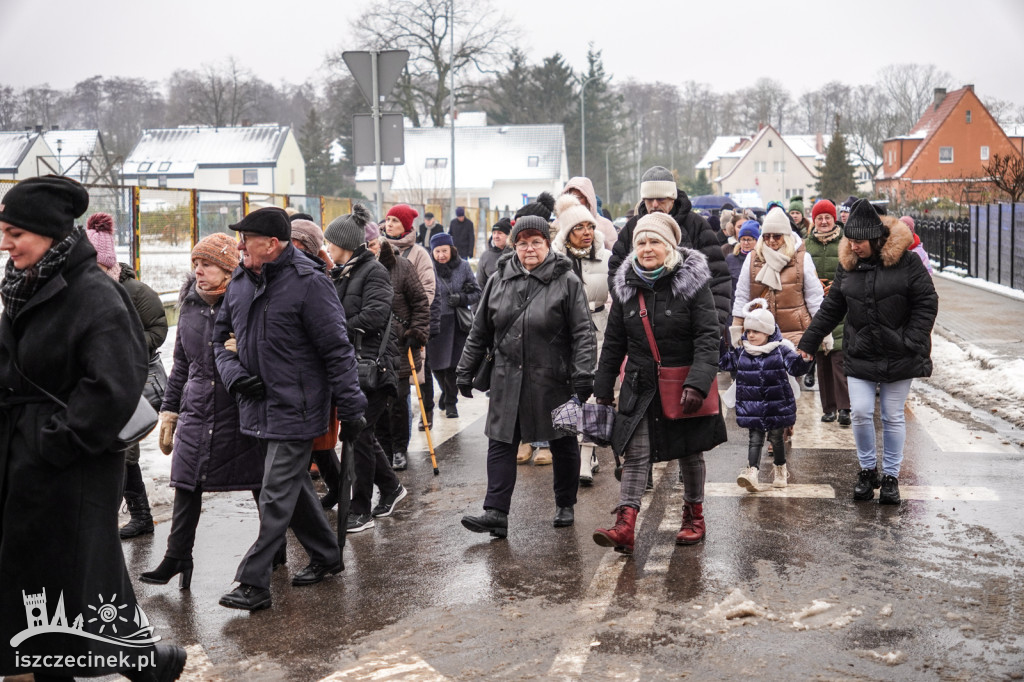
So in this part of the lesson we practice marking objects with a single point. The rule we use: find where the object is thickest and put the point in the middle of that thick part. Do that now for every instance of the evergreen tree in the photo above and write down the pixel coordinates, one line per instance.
(509, 89)
(698, 186)
(321, 176)
(837, 179)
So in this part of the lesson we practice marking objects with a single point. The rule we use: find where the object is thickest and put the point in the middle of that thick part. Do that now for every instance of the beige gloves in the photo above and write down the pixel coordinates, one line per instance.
(168, 421)
(231, 344)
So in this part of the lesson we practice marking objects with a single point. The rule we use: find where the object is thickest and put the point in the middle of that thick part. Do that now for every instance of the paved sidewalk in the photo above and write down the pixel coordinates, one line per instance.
(983, 318)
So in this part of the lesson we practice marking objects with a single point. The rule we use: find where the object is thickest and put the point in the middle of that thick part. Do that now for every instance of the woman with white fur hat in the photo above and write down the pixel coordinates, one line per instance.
(579, 239)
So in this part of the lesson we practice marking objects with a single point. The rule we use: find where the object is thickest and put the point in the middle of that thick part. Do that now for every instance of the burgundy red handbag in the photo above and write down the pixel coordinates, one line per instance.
(671, 380)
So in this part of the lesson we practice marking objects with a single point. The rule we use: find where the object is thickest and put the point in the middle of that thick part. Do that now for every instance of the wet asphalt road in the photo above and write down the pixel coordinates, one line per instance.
(806, 585)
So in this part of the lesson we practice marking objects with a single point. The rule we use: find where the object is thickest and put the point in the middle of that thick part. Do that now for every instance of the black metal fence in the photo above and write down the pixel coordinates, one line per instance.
(988, 245)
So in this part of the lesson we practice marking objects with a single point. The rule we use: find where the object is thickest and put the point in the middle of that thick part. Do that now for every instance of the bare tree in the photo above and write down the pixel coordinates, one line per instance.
(767, 102)
(224, 95)
(910, 88)
(423, 27)
(1007, 173)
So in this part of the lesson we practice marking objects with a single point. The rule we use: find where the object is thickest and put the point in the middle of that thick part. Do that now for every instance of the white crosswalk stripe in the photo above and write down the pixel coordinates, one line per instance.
(401, 665)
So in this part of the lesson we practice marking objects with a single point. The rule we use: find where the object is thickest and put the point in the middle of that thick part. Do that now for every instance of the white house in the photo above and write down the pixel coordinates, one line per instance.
(22, 155)
(80, 154)
(260, 159)
(773, 166)
(495, 166)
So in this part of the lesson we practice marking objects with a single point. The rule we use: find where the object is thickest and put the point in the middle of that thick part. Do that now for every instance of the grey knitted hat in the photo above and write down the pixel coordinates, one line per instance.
(658, 183)
(349, 231)
(531, 222)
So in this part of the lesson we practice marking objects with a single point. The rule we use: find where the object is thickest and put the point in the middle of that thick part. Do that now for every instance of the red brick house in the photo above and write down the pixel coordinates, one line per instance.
(945, 151)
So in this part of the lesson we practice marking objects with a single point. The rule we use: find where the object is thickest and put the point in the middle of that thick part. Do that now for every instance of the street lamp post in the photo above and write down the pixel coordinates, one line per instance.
(583, 127)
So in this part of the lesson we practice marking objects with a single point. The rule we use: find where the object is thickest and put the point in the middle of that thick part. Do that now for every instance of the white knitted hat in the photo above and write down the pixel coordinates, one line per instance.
(776, 222)
(658, 183)
(571, 213)
(758, 317)
(659, 225)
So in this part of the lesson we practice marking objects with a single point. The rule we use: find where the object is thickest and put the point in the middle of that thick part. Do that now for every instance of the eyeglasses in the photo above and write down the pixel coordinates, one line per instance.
(247, 236)
(773, 237)
(527, 246)
(583, 227)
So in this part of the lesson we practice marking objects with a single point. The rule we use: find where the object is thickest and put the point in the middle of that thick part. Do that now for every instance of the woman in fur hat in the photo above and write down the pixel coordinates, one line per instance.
(889, 302)
(580, 241)
(674, 285)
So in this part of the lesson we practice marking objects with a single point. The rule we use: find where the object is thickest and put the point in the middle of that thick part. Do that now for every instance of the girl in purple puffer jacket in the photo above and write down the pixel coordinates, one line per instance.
(765, 397)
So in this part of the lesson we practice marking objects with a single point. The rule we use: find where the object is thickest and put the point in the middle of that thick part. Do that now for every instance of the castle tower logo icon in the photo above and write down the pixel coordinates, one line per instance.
(106, 621)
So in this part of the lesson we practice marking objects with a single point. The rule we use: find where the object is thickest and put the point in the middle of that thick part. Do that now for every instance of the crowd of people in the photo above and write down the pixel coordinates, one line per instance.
(296, 336)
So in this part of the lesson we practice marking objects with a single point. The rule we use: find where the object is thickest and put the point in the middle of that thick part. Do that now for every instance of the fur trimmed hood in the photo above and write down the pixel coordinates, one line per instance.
(899, 241)
(690, 275)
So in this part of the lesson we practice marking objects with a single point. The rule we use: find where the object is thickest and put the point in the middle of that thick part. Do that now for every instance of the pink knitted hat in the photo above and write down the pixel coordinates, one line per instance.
(100, 231)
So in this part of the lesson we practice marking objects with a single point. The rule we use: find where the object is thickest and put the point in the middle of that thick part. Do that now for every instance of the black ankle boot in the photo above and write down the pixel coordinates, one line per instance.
(491, 521)
(169, 662)
(167, 569)
(141, 522)
(867, 484)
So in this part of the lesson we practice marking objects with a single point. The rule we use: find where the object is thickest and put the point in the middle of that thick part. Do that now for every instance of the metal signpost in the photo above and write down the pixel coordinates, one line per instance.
(376, 73)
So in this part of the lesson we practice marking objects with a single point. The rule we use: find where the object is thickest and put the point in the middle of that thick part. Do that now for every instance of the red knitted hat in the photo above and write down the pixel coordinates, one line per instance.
(823, 206)
(406, 214)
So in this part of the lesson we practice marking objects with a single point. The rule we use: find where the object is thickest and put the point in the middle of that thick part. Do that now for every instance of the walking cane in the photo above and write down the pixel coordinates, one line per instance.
(345, 475)
(423, 413)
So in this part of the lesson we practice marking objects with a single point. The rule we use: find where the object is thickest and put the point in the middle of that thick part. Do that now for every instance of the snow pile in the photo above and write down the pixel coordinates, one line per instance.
(819, 614)
(980, 378)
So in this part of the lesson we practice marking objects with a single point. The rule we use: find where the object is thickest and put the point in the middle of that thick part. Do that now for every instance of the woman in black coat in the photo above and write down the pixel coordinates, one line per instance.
(60, 470)
(198, 418)
(534, 308)
(364, 287)
(675, 285)
(890, 305)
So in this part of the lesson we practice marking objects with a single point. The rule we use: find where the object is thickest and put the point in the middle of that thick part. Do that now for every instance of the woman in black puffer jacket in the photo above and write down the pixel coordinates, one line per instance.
(890, 305)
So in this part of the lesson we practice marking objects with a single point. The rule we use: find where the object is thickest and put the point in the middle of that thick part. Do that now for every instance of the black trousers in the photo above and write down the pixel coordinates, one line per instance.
(393, 427)
(449, 391)
(427, 387)
(756, 442)
(502, 468)
(371, 464)
(188, 505)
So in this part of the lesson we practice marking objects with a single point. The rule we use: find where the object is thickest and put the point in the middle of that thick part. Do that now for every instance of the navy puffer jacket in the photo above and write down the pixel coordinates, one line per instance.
(764, 398)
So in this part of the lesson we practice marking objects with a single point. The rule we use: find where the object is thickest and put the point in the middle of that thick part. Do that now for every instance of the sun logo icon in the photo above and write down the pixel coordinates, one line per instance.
(108, 614)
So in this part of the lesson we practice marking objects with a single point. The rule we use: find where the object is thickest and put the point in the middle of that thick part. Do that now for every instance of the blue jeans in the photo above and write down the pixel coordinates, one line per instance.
(894, 427)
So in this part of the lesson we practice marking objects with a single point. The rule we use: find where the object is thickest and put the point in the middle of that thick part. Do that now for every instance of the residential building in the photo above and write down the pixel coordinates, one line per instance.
(81, 154)
(946, 150)
(259, 159)
(23, 154)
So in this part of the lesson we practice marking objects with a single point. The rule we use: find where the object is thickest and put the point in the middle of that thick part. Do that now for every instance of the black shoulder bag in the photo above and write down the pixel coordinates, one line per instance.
(372, 370)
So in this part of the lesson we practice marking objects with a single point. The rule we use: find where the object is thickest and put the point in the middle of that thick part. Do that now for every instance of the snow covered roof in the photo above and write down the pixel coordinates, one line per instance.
(722, 145)
(71, 144)
(14, 147)
(180, 151)
(483, 155)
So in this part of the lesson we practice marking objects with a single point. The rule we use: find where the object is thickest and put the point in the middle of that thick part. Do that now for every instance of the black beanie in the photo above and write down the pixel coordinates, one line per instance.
(46, 205)
(543, 207)
(863, 222)
(531, 223)
(503, 225)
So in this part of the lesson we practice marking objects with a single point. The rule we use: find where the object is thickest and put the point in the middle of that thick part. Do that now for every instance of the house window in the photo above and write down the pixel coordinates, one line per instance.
(968, 116)
(161, 181)
(984, 152)
(760, 166)
(144, 166)
(251, 176)
(779, 166)
(769, 143)
(164, 166)
(437, 162)
(143, 181)
(945, 155)
(532, 161)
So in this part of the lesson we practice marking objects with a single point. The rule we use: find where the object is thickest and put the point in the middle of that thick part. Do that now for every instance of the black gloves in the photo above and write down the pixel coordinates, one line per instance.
(415, 340)
(250, 387)
(691, 400)
(466, 390)
(455, 300)
(351, 428)
(583, 389)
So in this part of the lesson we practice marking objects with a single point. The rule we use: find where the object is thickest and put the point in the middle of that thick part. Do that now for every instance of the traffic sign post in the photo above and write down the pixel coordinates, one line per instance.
(375, 73)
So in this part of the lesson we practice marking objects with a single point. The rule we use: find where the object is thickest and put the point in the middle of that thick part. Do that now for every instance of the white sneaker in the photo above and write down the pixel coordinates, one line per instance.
(748, 479)
(780, 477)
(586, 472)
(524, 454)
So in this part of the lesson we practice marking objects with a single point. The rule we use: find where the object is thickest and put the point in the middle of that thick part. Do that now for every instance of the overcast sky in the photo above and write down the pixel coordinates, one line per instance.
(727, 44)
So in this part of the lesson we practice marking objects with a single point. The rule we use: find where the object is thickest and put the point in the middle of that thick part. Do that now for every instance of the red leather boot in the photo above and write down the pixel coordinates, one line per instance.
(692, 530)
(620, 536)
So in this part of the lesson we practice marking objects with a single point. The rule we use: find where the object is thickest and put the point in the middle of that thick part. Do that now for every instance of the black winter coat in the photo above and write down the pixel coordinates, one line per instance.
(683, 317)
(210, 452)
(487, 263)
(290, 329)
(410, 309)
(464, 236)
(364, 289)
(696, 234)
(79, 338)
(890, 306)
(149, 307)
(549, 349)
(447, 338)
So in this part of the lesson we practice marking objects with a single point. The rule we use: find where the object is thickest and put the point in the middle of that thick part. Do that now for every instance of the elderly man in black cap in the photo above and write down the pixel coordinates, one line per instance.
(293, 361)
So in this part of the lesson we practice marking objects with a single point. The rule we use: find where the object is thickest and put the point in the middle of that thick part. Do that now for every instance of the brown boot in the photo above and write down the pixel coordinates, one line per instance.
(620, 536)
(692, 530)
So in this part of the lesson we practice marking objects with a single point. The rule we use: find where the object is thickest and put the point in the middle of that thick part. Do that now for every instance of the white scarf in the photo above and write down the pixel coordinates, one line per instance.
(774, 262)
(794, 385)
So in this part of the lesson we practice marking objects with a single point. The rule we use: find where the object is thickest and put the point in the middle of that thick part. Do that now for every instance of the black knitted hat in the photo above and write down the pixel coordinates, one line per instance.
(863, 222)
(46, 205)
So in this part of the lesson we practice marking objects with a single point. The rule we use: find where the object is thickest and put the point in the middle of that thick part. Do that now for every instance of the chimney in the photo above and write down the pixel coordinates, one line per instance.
(39, 128)
(969, 86)
(940, 94)
(55, 127)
